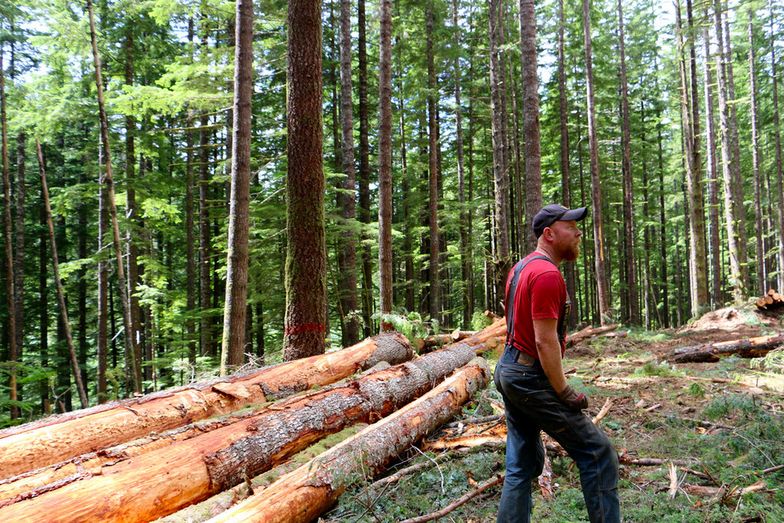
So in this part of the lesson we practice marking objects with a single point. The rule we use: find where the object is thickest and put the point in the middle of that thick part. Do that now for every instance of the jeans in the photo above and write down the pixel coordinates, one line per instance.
(532, 406)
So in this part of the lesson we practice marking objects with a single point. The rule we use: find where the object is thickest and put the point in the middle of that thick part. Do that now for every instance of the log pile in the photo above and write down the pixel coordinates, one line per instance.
(58, 438)
(770, 300)
(164, 471)
(711, 352)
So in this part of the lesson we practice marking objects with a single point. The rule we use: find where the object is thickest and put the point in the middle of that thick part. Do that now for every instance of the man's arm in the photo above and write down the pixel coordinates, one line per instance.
(549, 349)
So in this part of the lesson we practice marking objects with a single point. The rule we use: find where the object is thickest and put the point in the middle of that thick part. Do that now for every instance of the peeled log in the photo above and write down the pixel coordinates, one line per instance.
(588, 332)
(165, 480)
(58, 438)
(307, 492)
(746, 348)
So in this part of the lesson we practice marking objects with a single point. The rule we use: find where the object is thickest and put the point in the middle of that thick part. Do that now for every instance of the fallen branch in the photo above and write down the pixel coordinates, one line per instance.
(305, 493)
(723, 492)
(59, 438)
(462, 500)
(546, 478)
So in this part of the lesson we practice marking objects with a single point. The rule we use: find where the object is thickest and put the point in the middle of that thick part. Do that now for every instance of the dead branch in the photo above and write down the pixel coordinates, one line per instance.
(497, 480)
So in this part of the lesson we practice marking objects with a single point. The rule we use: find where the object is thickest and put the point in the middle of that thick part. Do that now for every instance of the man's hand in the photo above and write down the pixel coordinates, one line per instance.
(571, 399)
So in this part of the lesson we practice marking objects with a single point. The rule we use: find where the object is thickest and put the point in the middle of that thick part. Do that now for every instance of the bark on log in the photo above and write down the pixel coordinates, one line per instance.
(308, 491)
(59, 438)
(745, 348)
(165, 480)
(588, 332)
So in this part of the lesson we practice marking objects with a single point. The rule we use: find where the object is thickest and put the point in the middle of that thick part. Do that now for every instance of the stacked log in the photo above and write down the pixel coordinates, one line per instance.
(711, 352)
(770, 300)
(307, 492)
(59, 438)
(208, 458)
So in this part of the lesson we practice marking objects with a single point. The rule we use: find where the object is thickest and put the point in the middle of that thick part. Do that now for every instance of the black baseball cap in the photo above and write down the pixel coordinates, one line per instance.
(549, 214)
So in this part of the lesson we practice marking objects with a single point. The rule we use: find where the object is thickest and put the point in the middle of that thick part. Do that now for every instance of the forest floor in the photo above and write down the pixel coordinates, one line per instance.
(724, 422)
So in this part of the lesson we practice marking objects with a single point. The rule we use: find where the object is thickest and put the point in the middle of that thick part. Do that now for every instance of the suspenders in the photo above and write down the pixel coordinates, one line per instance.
(510, 299)
(510, 310)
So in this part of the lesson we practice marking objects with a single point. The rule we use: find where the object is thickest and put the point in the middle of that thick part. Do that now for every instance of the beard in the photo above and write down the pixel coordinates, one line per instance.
(570, 252)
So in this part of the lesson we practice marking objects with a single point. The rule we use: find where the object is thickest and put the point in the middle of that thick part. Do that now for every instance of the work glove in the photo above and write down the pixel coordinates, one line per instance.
(572, 399)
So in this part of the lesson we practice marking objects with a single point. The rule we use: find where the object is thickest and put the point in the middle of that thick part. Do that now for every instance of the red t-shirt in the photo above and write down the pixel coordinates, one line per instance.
(541, 295)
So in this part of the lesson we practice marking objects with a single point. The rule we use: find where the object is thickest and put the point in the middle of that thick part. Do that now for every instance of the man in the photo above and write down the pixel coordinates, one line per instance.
(530, 377)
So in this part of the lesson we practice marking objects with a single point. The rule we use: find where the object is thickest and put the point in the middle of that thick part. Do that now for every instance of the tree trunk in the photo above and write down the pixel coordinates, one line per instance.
(306, 285)
(305, 493)
(563, 106)
(190, 262)
(131, 213)
(434, 270)
(500, 164)
(410, 301)
(385, 163)
(49, 441)
(130, 343)
(760, 251)
(533, 160)
(711, 352)
(364, 168)
(777, 137)
(77, 374)
(633, 311)
(189, 471)
(465, 260)
(19, 242)
(233, 343)
(713, 186)
(13, 354)
(596, 192)
(43, 318)
(698, 284)
(732, 220)
(347, 251)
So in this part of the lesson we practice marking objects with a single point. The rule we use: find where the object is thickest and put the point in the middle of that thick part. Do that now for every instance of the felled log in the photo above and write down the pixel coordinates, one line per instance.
(162, 481)
(588, 332)
(430, 343)
(458, 335)
(305, 493)
(770, 300)
(745, 348)
(58, 438)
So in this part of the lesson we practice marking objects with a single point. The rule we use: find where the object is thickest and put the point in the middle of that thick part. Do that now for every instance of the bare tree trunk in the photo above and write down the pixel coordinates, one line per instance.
(306, 286)
(465, 261)
(233, 342)
(633, 310)
(533, 159)
(435, 243)
(19, 241)
(385, 163)
(410, 300)
(713, 186)
(732, 219)
(130, 343)
(500, 165)
(760, 251)
(347, 251)
(737, 177)
(43, 318)
(130, 209)
(190, 254)
(205, 247)
(364, 168)
(777, 135)
(563, 105)
(13, 354)
(698, 284)
(77, 374)
(596, 192)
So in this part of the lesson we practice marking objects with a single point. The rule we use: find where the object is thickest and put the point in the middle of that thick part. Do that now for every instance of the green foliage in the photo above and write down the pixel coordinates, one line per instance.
(654, 368)
(697, 390)
(479, 321)
(725, 405)
(411, 325)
